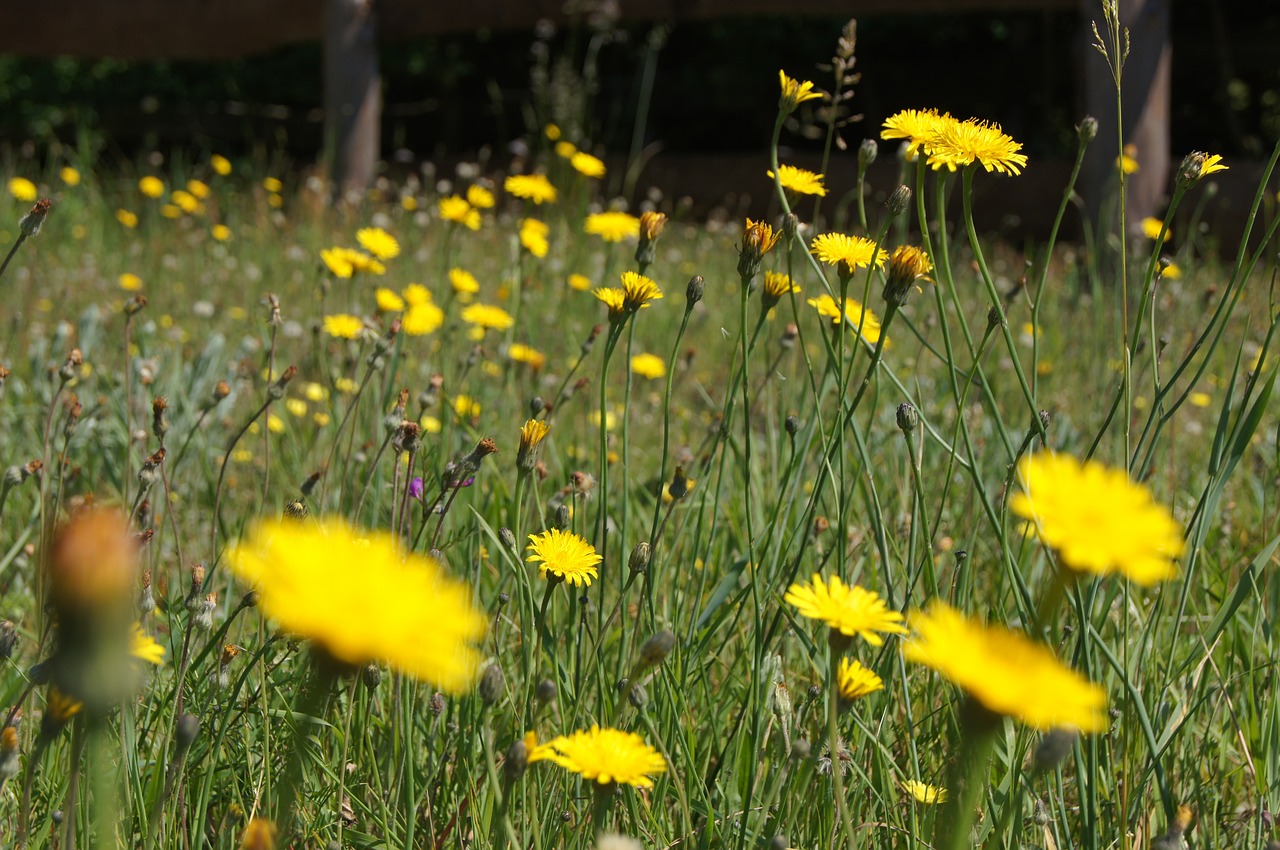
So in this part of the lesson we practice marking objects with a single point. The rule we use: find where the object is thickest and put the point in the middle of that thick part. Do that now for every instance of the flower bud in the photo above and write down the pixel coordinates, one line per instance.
(1052, 749)
(545, 691)
(639, 560)
(492, 684)
(1088, 130)
(276, 391)
(792, 424)
(516, 760)
(1190, 170)
(657, 648)
(508, 538)
(693, 291)
(899, 202)
(867, 152)
(31, 222)
(907, 417)
(371, 676)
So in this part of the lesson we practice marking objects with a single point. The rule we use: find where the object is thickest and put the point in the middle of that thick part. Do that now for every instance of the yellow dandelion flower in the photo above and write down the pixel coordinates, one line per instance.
(480, 197)
(296, 407)
(604, 756)
(343, 325)
(463, 281)
(533, 236)
(220, 164)
(152, 187)
(338, 262)
(638, 291)
(1005, 670)
(579, 282)
(848, 253)
(487, 316)
(1097, 520)
(273, 184)
(416, 293)
(961, 143)
(587, 165)
(849, 609)
(430, 424)
(799, 181)
(1170, 270)
(564, 555)
(521, 353)
(551, 131)
(1152, 227)
(854, 314)
(259, 834)
(565, 148)
(465, 406)
(1200, 399)
(922, 792)
(23, 189)
(777, 285)
(69, 175)
(220, 232)
(388, 300)
(615, 298)
(315, 392)
(1127, 162)
(1211, 164)
(907, 265)
(455, 208)
(321, 419)
(345, 385)
(612, 226)
(421, 318)
(399, 607)
(129, 282)
(198, 188)
(275, 424)
(362, 262)
(914, 126)
(648, 365)
(144, 647)
(856, 681)
(531, 187)
(127, 218)
(794, 93)
(378, 242)
(185, 201)
(532, 433)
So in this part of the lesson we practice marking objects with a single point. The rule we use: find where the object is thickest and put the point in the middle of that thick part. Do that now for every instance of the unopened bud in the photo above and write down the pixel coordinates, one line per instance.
(1052, 749)
(517, 759)
(1088, 130)
(545, 691)
(693, 291)
(637, 696)
(508, 538)
(792, 424)
(371, 676)
(657, 648)
(276, 391)
(492, 684)
(639, 560)
(899, 202)
(867, 152)
(995, 319)
(908, 418)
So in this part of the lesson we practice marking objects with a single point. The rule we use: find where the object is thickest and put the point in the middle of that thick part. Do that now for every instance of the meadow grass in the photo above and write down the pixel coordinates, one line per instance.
(761, 444)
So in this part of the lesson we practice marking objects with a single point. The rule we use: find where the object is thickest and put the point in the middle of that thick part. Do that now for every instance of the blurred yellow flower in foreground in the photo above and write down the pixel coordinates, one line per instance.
(343, 325)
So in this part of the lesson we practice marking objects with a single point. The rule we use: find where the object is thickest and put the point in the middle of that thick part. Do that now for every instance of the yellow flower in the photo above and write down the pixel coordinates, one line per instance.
(463, 281)
(533, 236)
(378, 242)
(758, 239)
(850, 610)
(604, 756)
(521, 353)
(422, 318)
(416, 293)
(856, 681)
(907, 265)
(775, 286)
(259, 834)
(221, 232)
(924, 793)
(854, 313)
(532, 433)
(915, 126)
(399, 607)
(129, 282)
(615, 298)
(220, 164)
(579, 282)
(799, 180)
(487, 316)
(273, 184)
(199, 189)
(1170, 270)
(564, 555)
(565, 148)
(465, 406)
(648, 366)
(587, 165)
(1200, 399)
(551, 131)
(345, 385)
(321, 419)
(338, 262)
(69, 176)
(152, 187)
(612, 226)
(429, 423)
(343, 325)
(127, 218)
(1127, 162)
(275, 424)
(1211, 164)
(1151, 228)
(23, 189)
(794, 93)
(849, 253)
(186, 201)
(456, 209)
(144, 647)
(960, 143)
(1098, 520)
(1004, 670)
(480, 197)
(388, 300)
(315, 392)
(531, 187)
(296, 407)
(362, 262)
(638, 291)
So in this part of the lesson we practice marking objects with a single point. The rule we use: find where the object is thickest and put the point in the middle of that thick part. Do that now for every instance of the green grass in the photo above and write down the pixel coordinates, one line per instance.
(792, 477)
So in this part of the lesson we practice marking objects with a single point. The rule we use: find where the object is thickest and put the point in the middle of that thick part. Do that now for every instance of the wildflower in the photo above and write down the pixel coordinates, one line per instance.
(220, 164)
(532, 433)
(612, 226)
(422, 318)
(152, 187)
(847, 253)
(906, 265)
(400, 607)
(678, 487)
(259, 834)
(799, 180)
(1152, 228)
(758, 239)
(415, 294)
(69, 176)
(856, 681)
(343, 325)
(465, 406)
(533, 236)
(531, 187)
(615, 299)
(463, 282)
(275, 424)
(638, 291)
(648, 365)
(854, 314)
(487, 316)
(23, 189)
(273, 185)
(378, 242)
(338, 262)
(455, 208)
(924, 793)
(59, 708)
(775, 286)
(579, 282)
(144, 647)
(220, 232)
(565, 149)
(849, 610)
(521, 353)
(587, 165)
(960, 143)
(129, 282)
(296, 407)
(794, 93)
(1098, 520)
(1004, 670)
(552, 132)
(480, 197)
(1207, 163)
(1127, 162)
(605, 756)
(315, 392)
(127, 218)
(564, 555)
(1169, 269)
(388, 300)
(199, 189)
(185, 201)
(914, 126)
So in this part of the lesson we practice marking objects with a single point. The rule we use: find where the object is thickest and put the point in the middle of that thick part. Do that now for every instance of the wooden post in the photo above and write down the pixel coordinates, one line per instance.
(1145, 102)
(352, 94)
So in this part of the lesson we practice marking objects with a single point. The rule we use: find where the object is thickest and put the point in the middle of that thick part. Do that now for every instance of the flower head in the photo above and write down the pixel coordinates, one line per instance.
(220, 164)
(914, 126)
(24, 190)
(463, 282)
(856, 681)
(849, 610)
(152, 187)
(422, 317)
(363, 598)
(612, 226)
(586, 164)
(799, 181)
(533, 236)
(1098, 520)
(532, 433)
(1127, 162)
(604, 756)
(847, 253)
(638, 291)
(527, 354)
(531, 187)
(922, 792)
(648, 365)
(343, 325)
(1153, 227)
(615, 298)
(961, 143)
(480, 197)
(388, 300)
(457, 209)
(564, 555)
(378, 242)
(854, 314)
(775, 286)
(1005, 671)
(794, 93)
(907, 264)
(487, 316)
(758, 239)
(144, 647)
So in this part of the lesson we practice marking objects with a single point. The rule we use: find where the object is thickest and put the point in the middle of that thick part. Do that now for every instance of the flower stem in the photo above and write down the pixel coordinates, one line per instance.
(967, 777)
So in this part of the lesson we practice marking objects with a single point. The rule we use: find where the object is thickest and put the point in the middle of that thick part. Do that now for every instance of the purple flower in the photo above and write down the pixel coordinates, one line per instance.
(415, 488)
